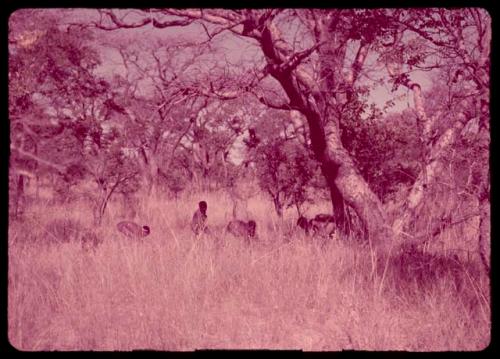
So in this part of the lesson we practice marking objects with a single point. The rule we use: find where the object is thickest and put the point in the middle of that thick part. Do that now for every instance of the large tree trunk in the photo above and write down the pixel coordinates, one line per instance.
(344, 180)
(19, 196)
(330, 171)
(278, 207)
(349, 186)
(432, 161)
(149, 166)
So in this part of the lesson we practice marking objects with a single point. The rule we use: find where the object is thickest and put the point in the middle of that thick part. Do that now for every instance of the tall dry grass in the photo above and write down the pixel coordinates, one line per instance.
(176, 292)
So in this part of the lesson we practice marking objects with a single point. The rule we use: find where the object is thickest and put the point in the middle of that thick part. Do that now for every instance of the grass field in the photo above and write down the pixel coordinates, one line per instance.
(179, 293)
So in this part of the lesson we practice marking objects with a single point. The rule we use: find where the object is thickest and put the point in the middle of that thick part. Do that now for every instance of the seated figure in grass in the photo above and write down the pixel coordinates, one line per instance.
(242, 229)
(199, 220)
(132, 229)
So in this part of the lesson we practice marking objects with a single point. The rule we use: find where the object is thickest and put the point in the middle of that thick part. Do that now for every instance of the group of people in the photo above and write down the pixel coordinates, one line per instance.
(236, 227)
(320, 224)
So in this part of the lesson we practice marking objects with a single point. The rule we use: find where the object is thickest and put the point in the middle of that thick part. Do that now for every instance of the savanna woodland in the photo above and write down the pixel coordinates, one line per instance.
(172, 171)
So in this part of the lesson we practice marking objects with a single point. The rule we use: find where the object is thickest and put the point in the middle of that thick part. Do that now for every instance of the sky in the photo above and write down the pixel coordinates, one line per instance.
(235, 50)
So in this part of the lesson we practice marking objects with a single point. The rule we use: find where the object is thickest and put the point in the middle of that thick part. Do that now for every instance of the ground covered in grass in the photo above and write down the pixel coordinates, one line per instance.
(176, 292)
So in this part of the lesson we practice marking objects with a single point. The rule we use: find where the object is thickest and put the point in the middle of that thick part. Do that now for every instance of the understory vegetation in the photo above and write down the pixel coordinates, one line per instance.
(173, 291)
(357, 141)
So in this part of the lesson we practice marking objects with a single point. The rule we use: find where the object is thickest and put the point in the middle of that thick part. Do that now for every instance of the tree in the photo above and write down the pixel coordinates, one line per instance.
(113, 172)
(322, 78)
(285, 171)
(159, 122)
(443, 32)
(386, 151)
(59, 107)
(50, 86)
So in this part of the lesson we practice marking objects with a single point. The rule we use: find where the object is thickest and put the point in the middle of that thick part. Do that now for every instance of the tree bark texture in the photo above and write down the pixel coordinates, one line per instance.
(344, 180)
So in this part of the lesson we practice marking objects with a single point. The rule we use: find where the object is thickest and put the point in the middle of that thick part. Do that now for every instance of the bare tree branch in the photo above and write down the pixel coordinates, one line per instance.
(298, 57)
(58, 167)
(357, 64)
(121, 23)
(269, 103)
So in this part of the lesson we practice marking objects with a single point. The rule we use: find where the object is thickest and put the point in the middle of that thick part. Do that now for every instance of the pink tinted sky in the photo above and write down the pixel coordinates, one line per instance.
(236, 50)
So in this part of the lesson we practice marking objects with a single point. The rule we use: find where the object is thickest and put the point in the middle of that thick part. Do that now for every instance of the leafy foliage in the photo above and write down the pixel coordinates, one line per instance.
(285, 171)
(386, 151)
